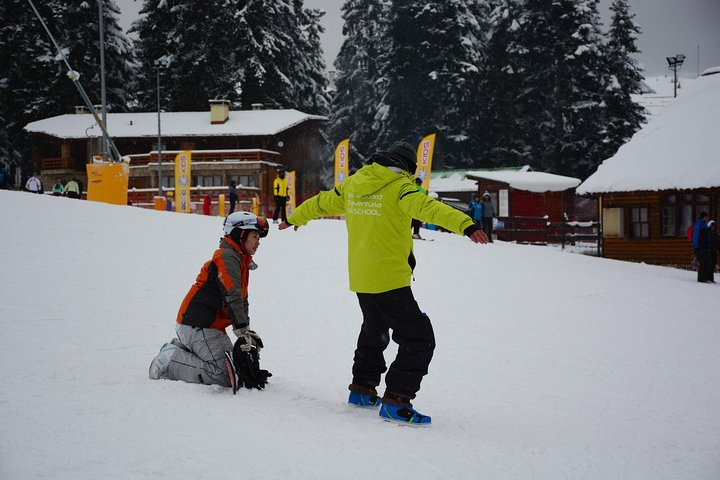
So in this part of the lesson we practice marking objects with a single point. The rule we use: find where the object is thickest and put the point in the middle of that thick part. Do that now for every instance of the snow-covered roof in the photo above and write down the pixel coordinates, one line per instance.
(451, 181)
(679, 148)
(173, 124)
(528, 180)
(520, 178)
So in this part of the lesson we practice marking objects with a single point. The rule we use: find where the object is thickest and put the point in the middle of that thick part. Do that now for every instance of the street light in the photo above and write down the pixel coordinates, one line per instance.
(159, 63)
(674, 64)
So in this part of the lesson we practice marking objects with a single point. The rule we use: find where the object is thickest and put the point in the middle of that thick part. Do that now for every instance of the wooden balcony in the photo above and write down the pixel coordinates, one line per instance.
(56, 163)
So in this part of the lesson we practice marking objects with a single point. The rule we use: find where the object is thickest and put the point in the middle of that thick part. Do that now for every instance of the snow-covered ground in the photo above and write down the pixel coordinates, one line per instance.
(549, 365)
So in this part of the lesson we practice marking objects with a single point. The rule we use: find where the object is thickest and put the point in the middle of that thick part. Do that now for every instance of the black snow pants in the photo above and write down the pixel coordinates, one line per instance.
(280, 203)
(398, 311)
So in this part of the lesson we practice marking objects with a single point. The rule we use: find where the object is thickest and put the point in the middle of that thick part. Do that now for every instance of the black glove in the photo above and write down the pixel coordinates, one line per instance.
(470, 230)
(246, 357)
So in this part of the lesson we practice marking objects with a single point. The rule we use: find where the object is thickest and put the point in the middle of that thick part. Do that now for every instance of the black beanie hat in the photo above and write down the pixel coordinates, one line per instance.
(407, 153)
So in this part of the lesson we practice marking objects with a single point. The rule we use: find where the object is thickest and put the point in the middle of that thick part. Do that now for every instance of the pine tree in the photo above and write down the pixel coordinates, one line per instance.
(27, 63)
(154, 48)
(79, 35)
(625, 117)
(354, 105)
(450, 60)
(397, 116)
(34, 82)
(498, 138)
(311, 81)
(561, 108)
(280, 56)
(430, 74)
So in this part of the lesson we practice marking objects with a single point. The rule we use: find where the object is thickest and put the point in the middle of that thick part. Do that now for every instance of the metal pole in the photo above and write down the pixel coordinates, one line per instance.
(76, 81)
(159, 168)
(675, 83)
(698, 62)
(102, 75)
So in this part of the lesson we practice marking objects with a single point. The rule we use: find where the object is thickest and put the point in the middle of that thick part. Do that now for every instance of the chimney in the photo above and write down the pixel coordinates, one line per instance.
(81, 109)
(219, 111)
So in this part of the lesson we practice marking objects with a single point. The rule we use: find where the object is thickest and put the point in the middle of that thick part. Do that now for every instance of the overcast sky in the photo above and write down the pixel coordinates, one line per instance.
(668, 27)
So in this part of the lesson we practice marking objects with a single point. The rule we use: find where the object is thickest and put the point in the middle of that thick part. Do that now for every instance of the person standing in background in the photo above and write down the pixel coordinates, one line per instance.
(232, 196)
(33, 184)
(280, 190)
(72, 189)
(487, 215)
(58, 188)
(416, 224)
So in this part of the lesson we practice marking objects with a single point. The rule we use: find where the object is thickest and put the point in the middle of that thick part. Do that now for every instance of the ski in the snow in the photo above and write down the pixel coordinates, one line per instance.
(231, 372)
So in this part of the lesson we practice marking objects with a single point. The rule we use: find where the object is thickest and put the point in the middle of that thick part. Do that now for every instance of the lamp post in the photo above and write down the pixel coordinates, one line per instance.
(102, 76)
(674, 64)
(159, 63)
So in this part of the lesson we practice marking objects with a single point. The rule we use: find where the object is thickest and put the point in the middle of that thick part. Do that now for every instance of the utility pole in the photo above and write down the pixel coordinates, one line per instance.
(158, 64)
(102, 77)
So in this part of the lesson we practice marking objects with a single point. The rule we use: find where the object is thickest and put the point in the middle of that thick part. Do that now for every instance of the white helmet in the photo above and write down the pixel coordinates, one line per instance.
(246, 221)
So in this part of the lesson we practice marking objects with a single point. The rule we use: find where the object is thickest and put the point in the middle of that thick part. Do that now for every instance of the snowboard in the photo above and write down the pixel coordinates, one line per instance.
(231, 372)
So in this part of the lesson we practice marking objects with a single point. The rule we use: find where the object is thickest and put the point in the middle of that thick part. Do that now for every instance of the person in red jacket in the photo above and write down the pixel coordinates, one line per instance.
(217, 300)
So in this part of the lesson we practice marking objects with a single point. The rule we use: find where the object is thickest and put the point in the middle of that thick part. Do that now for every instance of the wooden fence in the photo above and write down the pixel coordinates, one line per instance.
(539, 230)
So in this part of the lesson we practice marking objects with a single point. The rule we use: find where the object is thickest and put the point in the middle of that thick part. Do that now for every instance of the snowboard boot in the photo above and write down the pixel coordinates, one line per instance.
(397, 408)
(363, 396)
(161, 363)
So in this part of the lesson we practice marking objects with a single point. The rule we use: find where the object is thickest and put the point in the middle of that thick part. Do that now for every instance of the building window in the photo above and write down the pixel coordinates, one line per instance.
(679, 211)
(639, 222)
(244, 180)
(669, 227)
(208, 180)
(168, 181)
(613, 222)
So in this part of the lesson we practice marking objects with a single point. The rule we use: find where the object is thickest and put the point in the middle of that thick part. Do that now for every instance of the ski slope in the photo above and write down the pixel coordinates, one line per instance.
(549, 365)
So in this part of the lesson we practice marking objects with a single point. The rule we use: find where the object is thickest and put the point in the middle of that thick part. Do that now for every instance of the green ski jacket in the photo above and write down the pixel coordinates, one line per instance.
(379, 204)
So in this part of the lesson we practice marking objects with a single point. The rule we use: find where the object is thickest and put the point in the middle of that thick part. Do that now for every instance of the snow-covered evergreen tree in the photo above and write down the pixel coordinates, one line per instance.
(34, 82)
(354, 106)
(79, 35)
(310, 80)
(154, 30)
(625, 117)
(430, 74)
(561, 112)
(280, 56)
(498, 139)
(450, 57)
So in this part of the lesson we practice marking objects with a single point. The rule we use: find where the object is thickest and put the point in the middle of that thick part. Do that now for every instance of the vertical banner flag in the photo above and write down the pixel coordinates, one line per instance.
(290, 206)
(342, 159)
(424, 160)
(182, 181)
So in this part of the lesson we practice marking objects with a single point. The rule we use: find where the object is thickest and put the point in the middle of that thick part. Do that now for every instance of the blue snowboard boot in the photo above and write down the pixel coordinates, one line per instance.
(401, 411)
(363, 397)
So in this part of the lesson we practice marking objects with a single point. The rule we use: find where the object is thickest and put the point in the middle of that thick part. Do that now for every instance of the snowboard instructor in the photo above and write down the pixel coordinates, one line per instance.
(379, 201)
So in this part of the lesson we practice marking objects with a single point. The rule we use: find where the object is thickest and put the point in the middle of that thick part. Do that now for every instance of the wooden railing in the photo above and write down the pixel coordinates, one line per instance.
(56, 163)
(539, 230)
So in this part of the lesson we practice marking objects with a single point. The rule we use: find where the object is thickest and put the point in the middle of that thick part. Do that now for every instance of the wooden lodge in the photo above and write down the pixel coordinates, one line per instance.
(658, 183)
(246, 146)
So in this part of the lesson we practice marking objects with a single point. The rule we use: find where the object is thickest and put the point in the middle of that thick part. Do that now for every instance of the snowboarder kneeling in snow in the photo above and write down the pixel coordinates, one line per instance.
(218, 299)
(379, 201)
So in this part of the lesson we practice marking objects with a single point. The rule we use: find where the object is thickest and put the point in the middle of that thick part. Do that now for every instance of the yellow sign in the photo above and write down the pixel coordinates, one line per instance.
(183, 178)
(424, 160)
(342, 160)
(108, 182)
(290, 206)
